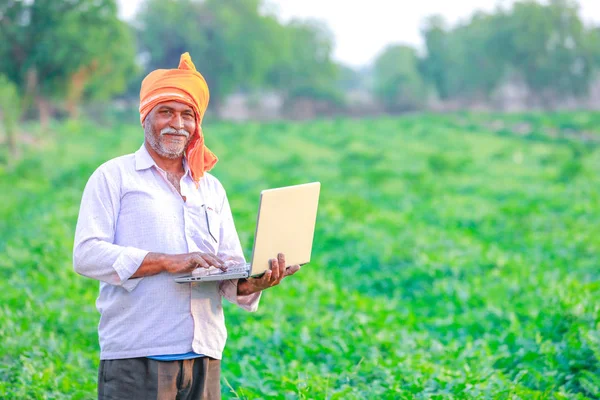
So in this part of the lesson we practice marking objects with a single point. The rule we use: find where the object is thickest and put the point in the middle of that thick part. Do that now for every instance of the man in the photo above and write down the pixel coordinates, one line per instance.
(146, 218)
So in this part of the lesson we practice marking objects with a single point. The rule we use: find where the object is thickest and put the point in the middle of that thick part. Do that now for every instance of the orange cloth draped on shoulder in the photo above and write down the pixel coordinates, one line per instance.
(188, 86)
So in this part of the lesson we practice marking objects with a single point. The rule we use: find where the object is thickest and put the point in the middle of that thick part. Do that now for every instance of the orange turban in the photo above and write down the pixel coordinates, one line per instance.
(185, 85)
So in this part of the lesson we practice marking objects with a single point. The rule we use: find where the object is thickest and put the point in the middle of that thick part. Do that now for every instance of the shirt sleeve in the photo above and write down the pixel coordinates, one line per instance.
(230, 248)
(94, 253)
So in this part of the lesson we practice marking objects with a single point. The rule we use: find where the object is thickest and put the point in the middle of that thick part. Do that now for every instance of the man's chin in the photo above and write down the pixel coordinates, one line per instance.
(172, 155)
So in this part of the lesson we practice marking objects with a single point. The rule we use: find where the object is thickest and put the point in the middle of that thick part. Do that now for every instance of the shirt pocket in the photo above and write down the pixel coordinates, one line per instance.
(207, 230)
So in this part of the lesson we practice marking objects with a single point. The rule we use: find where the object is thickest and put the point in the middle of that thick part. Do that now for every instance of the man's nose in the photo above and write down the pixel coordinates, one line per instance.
(178, 121)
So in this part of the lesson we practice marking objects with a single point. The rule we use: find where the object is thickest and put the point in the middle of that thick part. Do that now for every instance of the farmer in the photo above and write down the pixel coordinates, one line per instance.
(147, 217)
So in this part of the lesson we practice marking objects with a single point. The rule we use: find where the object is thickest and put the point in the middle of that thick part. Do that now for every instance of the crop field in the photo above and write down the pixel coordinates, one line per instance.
(455, 256)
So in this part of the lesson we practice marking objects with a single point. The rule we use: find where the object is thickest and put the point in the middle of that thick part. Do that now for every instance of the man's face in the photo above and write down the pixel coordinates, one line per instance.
(169, 127)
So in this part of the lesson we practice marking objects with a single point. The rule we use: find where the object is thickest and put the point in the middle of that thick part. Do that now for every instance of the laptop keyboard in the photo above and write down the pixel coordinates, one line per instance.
(233, 269)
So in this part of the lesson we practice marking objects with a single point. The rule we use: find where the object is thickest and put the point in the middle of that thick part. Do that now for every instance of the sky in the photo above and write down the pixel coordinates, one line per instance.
(363, 29)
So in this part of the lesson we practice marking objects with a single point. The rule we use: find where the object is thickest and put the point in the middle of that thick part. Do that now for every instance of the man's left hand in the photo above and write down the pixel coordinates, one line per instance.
(272, 277)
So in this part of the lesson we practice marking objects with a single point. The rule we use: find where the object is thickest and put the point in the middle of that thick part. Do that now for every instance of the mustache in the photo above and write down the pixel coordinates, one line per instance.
(173, 131)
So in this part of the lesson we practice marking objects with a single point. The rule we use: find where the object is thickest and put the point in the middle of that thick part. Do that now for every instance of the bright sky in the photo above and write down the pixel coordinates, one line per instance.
(362, 29)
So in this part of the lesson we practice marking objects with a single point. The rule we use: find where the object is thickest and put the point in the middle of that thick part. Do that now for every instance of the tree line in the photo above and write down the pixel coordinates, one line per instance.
(62, 53)
(58, 54)
(542, 47)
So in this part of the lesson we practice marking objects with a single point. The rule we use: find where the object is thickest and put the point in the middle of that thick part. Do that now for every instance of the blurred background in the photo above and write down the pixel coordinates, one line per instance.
(458, 148)
(303, 59)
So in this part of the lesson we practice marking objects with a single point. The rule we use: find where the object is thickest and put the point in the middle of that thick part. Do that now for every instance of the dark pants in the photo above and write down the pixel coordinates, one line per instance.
(145, 379)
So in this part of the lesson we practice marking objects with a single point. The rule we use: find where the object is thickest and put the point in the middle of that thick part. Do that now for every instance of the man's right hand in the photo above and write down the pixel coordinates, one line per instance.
(185, 263)
(155, 263)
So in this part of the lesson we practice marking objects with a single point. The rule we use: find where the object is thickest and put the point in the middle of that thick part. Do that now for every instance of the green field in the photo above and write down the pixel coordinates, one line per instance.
(455, 257)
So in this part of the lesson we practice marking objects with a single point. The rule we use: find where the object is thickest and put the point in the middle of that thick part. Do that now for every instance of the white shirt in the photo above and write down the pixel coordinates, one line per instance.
(129, 209)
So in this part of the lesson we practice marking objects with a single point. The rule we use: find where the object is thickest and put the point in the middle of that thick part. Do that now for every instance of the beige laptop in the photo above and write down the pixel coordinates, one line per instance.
(285, 224)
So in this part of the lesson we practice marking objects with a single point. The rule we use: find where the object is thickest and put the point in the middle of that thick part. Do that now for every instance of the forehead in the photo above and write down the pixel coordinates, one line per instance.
(174, 105)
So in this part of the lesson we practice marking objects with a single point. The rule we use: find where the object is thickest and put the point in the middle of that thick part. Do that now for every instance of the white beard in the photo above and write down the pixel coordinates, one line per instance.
(168, 146)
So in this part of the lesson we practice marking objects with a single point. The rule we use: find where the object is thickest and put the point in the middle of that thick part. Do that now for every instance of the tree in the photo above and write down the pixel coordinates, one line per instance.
(592, 49)
(349, 79)
(398, 83)
(304, 68)
(478, 68)
(231, 42)
(546, 45)
(102, 79)
(464, 62)
(46, 44)
(10, 112)
(437, 62)
(236, 45)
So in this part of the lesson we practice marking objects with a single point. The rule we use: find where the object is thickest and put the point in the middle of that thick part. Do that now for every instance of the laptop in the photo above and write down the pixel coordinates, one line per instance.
(285, 224)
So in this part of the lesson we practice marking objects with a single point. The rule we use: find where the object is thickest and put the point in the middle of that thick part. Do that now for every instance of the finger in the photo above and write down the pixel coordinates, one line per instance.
(281, 262)
(200, 262)
(215, 261)
(267, 277)
(292, 270)
(275, 271)
(210, 259)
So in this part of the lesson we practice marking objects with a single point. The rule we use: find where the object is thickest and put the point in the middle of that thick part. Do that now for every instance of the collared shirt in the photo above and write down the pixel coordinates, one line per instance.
(129, 209)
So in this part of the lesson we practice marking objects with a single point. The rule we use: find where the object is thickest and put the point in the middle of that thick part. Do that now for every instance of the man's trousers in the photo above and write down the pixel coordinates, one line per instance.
(145, 379)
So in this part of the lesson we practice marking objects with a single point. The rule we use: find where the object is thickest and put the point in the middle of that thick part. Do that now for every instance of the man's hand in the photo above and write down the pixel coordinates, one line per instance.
(155, 263)
(184, 263)
(272, 277)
